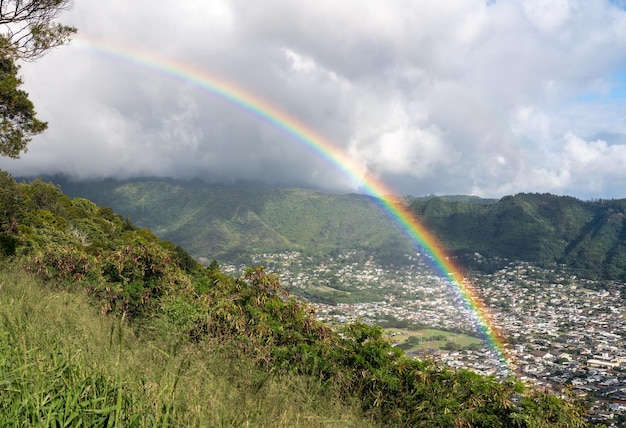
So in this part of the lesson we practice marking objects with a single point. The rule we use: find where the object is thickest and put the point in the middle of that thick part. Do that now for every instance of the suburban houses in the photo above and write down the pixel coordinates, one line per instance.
(559, 330)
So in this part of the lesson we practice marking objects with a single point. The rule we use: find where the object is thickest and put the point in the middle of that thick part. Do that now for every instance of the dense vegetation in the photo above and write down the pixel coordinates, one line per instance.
(232, 223)
(589, 237)
(28, 29)
(166, 335)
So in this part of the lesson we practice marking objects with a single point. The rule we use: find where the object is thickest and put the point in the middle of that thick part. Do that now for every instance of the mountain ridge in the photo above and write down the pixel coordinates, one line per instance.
(587, 236)
(233, 223)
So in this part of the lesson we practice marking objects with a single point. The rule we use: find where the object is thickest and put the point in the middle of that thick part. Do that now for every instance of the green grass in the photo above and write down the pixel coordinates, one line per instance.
(425, 336)
(64, 364)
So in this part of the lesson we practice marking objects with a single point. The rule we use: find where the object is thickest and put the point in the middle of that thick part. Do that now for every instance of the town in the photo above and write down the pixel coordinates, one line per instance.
(558, 330)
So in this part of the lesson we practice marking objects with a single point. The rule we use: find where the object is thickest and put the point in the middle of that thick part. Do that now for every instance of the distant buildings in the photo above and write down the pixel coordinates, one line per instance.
(561, 330)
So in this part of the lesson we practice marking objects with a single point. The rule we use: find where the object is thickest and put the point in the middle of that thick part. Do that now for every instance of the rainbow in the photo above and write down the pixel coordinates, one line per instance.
(316, 142)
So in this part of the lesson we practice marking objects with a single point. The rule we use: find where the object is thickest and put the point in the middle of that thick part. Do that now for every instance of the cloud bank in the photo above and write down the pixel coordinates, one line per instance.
(435, 96)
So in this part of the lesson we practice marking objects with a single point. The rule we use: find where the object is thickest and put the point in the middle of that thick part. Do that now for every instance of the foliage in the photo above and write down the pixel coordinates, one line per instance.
(61, 364)
(28, 27)
(232, 224)
(27, 31)
(18, 123)
(281, 334)
(540, 228)
(75, 245)
(10, 213)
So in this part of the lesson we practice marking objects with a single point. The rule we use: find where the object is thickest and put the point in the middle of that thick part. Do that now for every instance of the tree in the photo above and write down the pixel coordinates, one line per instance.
(10, 213)
(18, 123)
(11, 202)
(28, 27)
(27, 31)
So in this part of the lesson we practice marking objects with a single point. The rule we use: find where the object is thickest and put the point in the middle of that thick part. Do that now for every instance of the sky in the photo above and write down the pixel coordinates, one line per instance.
(475, 97)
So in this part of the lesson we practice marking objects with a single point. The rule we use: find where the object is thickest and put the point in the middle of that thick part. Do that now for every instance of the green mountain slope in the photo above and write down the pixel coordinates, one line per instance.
(200, 340)
(229, 223)
(539, 228)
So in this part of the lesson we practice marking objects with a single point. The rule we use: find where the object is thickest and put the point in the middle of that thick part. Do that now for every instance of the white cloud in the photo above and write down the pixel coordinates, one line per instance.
(436, 96)
(547, 15)
(579, 167)
(594, 158)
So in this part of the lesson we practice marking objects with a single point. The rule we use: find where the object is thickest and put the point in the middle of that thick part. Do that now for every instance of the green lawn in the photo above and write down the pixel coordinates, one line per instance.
(428, 338)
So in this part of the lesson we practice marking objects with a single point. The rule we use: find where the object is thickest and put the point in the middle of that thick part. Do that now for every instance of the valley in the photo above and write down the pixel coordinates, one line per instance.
(560, 330)
(561, 313)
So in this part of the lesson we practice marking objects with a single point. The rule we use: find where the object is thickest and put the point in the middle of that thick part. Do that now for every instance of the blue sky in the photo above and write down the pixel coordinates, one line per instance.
(441, 97)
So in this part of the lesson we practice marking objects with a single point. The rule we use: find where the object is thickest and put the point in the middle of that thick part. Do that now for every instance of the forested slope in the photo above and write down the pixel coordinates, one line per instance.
(232, 223)
(589, 237)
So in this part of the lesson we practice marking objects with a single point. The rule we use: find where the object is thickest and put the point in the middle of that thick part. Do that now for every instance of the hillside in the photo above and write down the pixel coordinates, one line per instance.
(589, 237)
(231, 223)
(179, 344)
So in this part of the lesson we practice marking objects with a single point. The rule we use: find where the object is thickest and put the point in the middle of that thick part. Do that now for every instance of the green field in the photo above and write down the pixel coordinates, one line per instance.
(429, 338)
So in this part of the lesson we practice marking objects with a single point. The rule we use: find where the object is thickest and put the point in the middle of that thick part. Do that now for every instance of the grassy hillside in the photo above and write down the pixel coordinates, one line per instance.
(106, 325)
(230, 224)
(63, 363)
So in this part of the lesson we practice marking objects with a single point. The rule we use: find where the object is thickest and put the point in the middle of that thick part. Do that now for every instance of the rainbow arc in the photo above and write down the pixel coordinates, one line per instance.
(425, 241)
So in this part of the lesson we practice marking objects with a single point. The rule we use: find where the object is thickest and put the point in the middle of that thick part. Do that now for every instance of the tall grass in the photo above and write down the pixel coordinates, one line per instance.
(64, 364)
